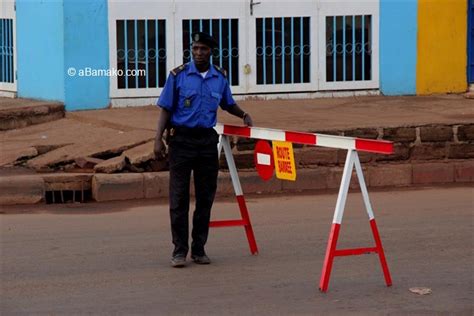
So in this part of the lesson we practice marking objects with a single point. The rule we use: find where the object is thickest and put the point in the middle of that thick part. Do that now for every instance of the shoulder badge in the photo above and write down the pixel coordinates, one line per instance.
(221, 70)
(178, 69)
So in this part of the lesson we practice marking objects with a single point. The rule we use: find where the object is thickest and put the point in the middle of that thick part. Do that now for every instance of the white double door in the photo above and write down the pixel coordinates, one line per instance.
(266, 46)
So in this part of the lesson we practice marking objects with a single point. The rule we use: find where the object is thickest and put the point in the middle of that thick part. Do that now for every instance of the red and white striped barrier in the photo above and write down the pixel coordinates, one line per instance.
(352, 145)
(342, 142)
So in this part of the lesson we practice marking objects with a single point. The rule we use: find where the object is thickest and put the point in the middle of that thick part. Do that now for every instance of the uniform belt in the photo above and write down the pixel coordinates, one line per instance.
(192, 131)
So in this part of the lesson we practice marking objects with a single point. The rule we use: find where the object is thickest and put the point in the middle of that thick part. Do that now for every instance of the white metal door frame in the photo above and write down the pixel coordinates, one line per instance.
(228, 9)
(342, 8)
(8, 12)
(276, 8)
(119, 10)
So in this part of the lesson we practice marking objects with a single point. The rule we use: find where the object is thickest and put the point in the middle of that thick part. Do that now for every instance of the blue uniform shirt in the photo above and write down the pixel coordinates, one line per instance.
(192, 99)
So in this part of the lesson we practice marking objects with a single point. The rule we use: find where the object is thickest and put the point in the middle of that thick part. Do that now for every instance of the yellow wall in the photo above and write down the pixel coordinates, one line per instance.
(442, 46)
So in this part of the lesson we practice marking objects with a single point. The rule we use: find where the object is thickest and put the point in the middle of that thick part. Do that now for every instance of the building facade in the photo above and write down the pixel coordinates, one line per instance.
(91, 54)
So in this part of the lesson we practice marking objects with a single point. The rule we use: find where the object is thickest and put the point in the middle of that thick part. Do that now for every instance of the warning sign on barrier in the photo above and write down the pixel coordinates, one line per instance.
(263, 158)
(284, 160)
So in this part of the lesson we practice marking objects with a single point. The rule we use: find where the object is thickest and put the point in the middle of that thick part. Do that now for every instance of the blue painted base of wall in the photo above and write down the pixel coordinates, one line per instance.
(398, 46)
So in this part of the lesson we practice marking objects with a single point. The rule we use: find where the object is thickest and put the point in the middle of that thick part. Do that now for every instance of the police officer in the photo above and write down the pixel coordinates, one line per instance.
(189, 102)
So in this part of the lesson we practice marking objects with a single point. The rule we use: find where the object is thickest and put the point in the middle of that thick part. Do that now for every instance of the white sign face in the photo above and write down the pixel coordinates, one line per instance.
(263, 159)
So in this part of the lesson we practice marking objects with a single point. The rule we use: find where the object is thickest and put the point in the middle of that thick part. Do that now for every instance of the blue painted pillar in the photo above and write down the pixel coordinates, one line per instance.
(398, 46)
(54, 36)
(86, 45)
(40, 49)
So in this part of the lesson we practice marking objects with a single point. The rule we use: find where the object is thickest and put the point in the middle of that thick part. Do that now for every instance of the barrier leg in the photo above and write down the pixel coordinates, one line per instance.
(245, 221)
(383, 261)
(328, 261)
(336, 222)
(248, 226)
(352, 160)
(373, 225)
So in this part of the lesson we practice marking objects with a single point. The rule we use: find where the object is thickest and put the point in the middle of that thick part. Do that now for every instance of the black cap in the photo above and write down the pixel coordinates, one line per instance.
(204, 38)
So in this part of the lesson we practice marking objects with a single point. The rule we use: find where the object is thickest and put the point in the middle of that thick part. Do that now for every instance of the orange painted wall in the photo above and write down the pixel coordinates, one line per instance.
(442, 46)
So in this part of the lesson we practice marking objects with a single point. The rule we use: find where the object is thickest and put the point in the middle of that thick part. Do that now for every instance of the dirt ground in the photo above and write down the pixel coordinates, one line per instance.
(113, 258)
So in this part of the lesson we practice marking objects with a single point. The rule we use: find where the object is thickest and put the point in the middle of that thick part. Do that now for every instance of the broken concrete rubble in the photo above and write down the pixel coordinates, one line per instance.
(111, 165)
(140, 154)
(87, 162)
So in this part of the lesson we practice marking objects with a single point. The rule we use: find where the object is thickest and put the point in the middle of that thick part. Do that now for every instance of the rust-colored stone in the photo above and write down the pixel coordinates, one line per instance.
(431, 173)
(438, 133)
(400, 134)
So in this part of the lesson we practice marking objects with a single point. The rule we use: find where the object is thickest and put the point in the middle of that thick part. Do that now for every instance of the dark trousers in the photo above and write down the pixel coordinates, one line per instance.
(192, 150)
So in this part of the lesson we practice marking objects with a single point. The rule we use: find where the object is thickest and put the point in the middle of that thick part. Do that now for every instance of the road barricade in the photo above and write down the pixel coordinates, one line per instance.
(352, 145)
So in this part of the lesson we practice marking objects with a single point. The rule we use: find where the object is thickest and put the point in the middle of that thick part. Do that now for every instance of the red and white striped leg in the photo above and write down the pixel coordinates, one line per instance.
(328, 260)
(245, 217)
(380, 251)
(331, 251)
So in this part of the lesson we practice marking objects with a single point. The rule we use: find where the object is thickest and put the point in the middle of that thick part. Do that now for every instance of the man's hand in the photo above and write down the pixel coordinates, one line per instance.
(237, 111)
(159, 149)
(248, 119)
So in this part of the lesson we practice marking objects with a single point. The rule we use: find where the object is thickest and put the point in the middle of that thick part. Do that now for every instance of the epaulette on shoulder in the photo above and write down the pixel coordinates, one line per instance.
(221, 70)
(178, 69)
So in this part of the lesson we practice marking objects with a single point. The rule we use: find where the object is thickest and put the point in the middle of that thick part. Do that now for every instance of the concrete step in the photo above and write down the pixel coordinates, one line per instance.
(17, 113)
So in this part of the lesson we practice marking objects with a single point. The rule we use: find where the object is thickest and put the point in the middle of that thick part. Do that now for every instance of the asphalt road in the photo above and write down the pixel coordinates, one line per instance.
(113, 258)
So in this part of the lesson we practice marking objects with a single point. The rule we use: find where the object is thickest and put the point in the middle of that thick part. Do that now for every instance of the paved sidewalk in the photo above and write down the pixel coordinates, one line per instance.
(109, 131)
(313, 114)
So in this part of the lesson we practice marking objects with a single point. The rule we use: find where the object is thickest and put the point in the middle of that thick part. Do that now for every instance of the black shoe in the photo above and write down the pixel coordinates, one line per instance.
(178, 261)
(201, 259)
